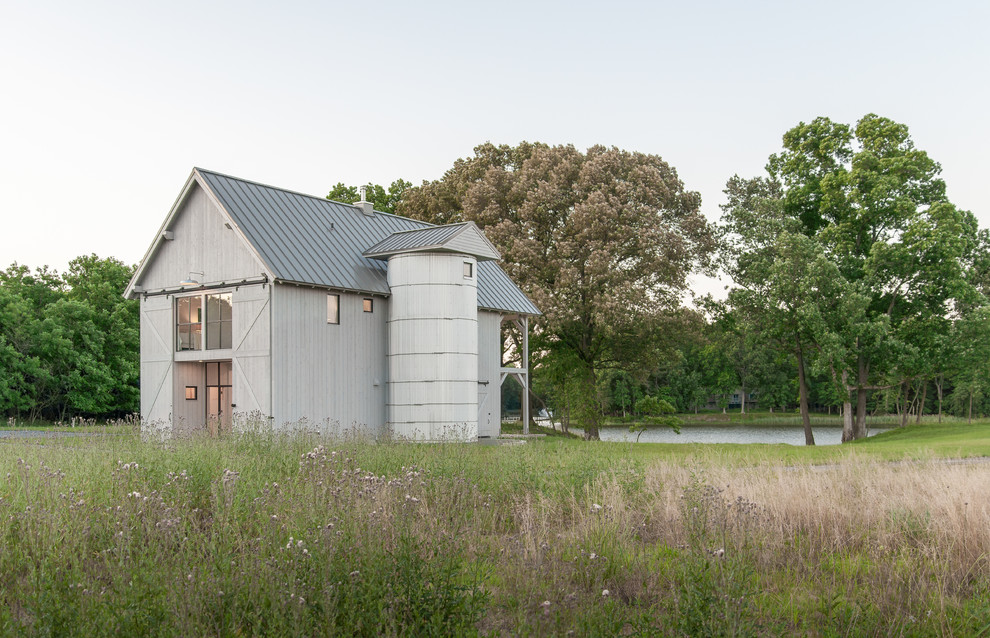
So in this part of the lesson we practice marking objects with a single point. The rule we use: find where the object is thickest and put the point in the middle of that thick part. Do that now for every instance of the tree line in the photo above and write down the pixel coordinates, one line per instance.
(855, 280)
(69, 342)
(856, 285)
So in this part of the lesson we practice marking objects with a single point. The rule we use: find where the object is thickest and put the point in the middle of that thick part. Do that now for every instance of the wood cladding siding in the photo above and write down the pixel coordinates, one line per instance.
(190, 416)
(489, 362)
(156, 362)
(201, 244)
(251, 359)
(330, 377)
(471, 242)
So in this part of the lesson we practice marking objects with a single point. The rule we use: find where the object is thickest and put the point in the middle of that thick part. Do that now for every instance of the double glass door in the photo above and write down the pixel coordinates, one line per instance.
(218, 396)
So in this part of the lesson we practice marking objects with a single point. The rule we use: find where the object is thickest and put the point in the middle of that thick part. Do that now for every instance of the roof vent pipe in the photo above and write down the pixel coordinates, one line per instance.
(364, 206)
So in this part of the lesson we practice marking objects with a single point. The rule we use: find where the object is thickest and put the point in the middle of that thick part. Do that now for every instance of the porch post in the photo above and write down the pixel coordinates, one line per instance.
(525, 379)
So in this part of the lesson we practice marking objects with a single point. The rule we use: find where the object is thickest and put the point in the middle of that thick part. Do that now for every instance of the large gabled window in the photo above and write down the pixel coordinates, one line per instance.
(189, 323)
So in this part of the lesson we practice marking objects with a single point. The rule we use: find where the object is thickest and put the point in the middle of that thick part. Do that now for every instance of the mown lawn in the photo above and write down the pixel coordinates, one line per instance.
(253, 535)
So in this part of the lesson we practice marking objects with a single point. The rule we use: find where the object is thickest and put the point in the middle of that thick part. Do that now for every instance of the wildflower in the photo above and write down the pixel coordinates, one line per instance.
(605, 592)
(595, 507)
(593, 556)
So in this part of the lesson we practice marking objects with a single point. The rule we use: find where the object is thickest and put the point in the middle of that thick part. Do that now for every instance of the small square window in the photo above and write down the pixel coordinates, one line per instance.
(468, 270)
(369, 304)
(191, 393)
(333, 309)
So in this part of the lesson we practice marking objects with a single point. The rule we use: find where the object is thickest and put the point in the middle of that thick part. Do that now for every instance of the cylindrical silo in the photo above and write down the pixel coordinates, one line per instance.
(433, 347)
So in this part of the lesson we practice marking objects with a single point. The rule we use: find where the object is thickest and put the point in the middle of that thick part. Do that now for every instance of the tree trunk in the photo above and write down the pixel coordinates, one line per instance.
(590, 409)
(809, 436)
(742, 396)
(906, 403)
(859, 429)
(969, 419)
(939, 380)
(847, 420)
(921, 404)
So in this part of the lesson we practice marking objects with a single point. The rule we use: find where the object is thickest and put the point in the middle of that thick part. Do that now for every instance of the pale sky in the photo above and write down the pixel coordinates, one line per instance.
(107, 106)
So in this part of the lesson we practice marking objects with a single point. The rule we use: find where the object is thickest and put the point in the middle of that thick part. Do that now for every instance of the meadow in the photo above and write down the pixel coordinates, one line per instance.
(301, 536)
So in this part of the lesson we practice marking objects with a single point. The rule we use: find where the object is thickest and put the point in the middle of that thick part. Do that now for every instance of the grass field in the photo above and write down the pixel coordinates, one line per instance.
(269, 536)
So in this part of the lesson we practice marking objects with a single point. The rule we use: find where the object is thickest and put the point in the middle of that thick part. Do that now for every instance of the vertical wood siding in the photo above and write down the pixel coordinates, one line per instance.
(190, 416)
(251, 357)
(327, 376)
(489, 364)
(202, 244)
(156, 363)
(471, 243)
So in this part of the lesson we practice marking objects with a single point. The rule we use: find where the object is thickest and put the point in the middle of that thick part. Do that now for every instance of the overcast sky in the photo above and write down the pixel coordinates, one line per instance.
(107, 106)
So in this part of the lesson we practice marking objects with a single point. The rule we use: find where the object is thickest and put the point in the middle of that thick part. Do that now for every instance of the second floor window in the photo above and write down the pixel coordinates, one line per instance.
(218, 322)
(189, 322)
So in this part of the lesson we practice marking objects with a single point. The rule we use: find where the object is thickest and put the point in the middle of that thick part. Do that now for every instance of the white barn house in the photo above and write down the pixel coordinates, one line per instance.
(264, 305)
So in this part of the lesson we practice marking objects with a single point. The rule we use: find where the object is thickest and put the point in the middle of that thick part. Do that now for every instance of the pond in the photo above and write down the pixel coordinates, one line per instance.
(792, 435)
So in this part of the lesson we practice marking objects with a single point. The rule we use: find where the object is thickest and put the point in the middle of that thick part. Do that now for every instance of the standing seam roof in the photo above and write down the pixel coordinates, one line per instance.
(417, 238)
(312, 240)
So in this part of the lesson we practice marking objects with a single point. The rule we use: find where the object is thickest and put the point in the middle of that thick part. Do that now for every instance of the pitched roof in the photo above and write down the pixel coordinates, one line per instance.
(464, 238)
(312, 240)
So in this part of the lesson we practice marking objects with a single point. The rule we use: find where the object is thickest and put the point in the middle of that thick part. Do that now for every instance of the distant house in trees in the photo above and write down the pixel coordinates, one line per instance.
(733, 400)
(261, 305)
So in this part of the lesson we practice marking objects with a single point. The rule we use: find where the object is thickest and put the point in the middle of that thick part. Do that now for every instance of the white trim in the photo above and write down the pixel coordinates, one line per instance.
(160, 235)
(194, 178)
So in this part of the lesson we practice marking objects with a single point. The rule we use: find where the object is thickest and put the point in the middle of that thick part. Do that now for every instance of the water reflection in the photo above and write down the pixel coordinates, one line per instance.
(824, 434)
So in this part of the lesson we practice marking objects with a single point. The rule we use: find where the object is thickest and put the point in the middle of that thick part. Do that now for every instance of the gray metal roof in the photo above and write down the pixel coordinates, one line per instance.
(312, 240)
(416, 239)
(464, 238)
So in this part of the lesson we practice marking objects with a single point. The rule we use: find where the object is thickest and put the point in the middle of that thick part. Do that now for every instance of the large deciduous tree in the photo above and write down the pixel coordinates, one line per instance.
(886, 252)
(603, 242)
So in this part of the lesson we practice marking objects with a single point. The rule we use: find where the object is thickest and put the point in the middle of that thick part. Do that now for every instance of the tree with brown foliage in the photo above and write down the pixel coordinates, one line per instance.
(603, 242)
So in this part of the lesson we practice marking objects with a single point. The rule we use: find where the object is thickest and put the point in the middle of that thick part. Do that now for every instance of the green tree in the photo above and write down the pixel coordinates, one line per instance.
(655, 411)
(778, 272)
(885, 252)
(384, 199)
(602, 241)
(68, 344)
(99, 284)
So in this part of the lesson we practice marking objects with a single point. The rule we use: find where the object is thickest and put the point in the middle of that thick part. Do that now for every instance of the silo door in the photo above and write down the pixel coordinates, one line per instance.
(484, 413)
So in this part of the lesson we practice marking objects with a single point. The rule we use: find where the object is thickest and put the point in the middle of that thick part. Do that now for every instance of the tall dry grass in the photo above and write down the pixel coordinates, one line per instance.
(892, 546)
(252, 536)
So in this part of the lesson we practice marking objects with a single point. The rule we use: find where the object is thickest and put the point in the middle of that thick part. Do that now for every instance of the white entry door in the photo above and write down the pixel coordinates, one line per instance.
(484, 413)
